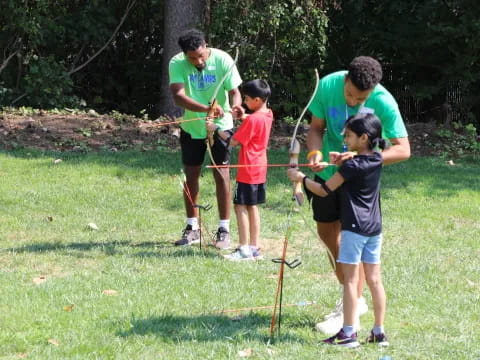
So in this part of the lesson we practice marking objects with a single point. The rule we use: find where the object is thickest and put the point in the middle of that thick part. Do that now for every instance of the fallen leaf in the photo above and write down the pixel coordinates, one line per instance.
(110, 292)
(272, 276)
(39, 280)
(22, 355)
(451, 163)
(57, 161)
(470, 282)
(53, 342)
(245, 353)
(93, 226)
(50, 218)
(270, 352)
(69, 307)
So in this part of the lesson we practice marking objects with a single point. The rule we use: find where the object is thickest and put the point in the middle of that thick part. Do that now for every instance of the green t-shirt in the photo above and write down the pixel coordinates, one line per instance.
(200, 86)
(329, 104)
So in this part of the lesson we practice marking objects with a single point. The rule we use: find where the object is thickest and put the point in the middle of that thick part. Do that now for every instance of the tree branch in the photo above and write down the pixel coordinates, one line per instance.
(129, 7)
(5, 63)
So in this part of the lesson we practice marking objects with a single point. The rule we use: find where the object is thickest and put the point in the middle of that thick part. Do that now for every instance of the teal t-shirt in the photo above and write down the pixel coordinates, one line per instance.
(200, 86)
(329, 104)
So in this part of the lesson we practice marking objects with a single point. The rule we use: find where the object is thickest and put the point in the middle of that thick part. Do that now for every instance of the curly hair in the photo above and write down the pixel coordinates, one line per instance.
(365, 72)
(191, 40)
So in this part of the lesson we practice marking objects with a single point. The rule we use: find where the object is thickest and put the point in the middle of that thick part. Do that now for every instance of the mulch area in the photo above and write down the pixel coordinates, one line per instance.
(92, 132)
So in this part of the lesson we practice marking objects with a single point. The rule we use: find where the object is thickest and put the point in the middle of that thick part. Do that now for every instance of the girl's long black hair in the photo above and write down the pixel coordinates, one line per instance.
(367, 124)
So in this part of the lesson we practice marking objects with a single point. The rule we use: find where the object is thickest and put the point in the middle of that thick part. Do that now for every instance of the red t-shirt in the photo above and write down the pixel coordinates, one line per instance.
(253, 136)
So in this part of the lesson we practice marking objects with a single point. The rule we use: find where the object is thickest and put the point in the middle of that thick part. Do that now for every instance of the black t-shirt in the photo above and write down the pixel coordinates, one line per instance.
(360, 194)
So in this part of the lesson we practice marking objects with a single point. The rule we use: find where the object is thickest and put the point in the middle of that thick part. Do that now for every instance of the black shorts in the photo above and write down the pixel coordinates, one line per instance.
(193, 150)
(325, 209)
(248, 194)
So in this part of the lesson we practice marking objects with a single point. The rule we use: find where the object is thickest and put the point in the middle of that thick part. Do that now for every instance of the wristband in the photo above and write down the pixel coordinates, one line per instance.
(326, 188)
(314, 152)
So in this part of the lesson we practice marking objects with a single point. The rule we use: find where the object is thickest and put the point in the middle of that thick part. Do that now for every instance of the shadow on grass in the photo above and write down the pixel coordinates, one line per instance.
(156, 249)
(209, 327)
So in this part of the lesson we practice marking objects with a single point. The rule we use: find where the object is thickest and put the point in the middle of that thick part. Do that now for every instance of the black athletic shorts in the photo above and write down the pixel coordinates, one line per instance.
(325, 209)
(248, 194)
(193, 150)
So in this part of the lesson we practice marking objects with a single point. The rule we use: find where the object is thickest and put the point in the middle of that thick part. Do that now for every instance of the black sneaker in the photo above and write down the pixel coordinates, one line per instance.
(189, 237)
(343, 340)
(380, 340)
(222, 241)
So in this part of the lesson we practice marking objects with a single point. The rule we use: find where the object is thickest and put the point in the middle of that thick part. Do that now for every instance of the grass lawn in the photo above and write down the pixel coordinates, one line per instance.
(124, 292)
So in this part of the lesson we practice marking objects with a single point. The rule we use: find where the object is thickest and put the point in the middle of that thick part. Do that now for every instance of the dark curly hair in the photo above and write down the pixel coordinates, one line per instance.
(191, 40)
(365, 72)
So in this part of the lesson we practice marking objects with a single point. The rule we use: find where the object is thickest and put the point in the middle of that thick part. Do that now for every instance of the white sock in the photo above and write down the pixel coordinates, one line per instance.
(225, 224)
(377, 330)
(348, 330)
(193, 222)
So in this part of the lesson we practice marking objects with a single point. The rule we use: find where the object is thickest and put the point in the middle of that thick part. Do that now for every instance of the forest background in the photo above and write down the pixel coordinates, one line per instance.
(112, 55)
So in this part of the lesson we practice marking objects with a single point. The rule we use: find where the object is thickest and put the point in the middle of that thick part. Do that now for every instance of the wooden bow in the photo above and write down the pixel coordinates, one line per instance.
(294, 150)
(211, 112)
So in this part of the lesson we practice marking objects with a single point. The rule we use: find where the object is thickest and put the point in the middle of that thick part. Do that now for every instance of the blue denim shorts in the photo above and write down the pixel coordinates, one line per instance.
(356, 248)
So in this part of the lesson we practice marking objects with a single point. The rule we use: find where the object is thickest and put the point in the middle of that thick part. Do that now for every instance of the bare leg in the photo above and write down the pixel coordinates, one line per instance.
(254, 220)
(222, 184)
(374, 281)
(350, 276)
(329, 233)
(192, 174)
(242, 223)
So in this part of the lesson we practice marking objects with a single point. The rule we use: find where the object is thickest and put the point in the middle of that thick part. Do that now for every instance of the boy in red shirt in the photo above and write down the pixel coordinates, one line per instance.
(252, 136)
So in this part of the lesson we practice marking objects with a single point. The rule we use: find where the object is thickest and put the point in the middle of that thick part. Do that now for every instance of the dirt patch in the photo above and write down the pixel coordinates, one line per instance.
(90, 131)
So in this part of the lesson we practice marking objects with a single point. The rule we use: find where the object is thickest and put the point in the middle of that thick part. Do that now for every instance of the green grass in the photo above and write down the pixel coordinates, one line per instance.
(167, 300)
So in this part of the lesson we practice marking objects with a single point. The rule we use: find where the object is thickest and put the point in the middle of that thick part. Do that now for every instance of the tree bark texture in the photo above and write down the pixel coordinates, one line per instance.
(180, 15)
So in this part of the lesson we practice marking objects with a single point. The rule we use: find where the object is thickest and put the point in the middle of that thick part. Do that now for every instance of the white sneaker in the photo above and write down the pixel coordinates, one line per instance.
(362, 307)
(334, 320)
(331, 325)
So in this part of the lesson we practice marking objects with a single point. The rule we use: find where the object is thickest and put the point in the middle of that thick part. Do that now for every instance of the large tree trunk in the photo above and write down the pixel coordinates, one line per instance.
(180, 15)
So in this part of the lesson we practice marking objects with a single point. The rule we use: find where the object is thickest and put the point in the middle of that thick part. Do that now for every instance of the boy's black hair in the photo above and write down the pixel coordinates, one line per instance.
(191, 40)
(367, 124)
(365, 72)
(257, 88)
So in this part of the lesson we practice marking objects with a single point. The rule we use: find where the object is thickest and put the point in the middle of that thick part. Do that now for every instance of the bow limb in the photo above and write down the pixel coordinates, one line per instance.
(295, 145)
(211, 112)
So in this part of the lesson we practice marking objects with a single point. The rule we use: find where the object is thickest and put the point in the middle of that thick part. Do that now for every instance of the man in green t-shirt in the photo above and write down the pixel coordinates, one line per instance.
(195, 74)
(340, 95)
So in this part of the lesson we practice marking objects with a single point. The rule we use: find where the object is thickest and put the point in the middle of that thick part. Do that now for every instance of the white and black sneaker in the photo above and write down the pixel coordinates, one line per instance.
(189, 237)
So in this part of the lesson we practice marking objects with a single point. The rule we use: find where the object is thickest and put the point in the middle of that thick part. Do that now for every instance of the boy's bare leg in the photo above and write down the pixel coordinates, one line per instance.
(242, 223)
(254, 220)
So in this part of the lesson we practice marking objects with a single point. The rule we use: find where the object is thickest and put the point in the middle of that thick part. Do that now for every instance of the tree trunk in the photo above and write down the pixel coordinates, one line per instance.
(180, 15)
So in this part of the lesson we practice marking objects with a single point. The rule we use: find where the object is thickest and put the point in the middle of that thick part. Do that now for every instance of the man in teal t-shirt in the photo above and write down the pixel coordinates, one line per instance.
(195, 74)
(338, 96)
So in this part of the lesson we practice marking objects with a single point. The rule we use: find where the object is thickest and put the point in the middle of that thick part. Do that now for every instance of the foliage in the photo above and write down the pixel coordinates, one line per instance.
(427, 47)
(46, 40)
(458, 140)
(279, 41)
